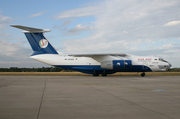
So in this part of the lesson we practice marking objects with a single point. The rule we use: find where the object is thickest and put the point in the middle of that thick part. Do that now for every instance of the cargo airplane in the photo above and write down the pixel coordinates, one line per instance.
(89, 63)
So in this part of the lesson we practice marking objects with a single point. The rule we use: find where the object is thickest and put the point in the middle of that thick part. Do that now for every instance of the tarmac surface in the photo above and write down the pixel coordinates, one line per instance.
(88, 97)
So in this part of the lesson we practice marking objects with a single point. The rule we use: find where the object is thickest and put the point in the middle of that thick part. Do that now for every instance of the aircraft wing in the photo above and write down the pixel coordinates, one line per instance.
(91, 55)
(102, 57)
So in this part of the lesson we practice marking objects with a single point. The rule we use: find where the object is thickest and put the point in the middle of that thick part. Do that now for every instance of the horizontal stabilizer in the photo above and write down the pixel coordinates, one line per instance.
(30, 29)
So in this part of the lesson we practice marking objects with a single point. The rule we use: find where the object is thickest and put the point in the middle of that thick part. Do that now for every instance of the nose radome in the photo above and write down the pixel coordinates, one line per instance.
(170, 65)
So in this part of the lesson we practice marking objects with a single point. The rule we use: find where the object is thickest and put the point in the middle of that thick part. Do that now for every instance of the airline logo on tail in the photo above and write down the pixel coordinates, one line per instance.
(43, 43)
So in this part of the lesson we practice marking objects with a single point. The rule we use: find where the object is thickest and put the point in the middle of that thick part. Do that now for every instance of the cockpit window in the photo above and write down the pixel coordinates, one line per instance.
(161, 59)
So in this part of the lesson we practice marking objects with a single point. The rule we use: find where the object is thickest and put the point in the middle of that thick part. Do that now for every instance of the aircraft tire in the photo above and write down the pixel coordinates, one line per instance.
(104, 74)
(143, 74)
(95, 74)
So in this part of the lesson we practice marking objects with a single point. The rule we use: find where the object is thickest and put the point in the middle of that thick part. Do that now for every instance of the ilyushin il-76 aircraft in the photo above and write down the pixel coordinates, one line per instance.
(94, 64)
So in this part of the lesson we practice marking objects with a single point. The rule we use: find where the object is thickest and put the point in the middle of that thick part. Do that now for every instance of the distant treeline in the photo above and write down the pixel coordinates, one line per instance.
(50, 69)
(174, 70)
(43, 69)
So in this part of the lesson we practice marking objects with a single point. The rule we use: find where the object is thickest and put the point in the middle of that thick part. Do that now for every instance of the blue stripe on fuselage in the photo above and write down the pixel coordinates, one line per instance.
(91, 68)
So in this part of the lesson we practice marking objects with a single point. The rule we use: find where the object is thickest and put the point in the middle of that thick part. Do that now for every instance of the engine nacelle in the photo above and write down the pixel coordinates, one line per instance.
(116, 64)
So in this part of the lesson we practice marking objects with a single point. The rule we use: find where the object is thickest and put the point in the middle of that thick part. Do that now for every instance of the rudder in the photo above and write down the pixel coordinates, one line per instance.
(40, 44)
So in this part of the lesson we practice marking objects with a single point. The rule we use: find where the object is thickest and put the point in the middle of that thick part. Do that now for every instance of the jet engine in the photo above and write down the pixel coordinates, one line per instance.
(116, 64)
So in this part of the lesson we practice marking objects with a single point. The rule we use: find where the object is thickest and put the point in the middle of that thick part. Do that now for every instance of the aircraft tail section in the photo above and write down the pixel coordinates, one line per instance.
(38, 42)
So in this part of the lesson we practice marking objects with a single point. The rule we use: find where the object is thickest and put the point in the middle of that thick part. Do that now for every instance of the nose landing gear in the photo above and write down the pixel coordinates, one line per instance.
(143, 74)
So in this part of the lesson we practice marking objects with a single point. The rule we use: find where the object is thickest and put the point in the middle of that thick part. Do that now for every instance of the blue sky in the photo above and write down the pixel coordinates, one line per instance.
(92, 26)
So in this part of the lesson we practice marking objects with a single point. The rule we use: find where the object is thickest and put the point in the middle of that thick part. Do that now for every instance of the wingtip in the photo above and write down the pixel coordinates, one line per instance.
(13, 25)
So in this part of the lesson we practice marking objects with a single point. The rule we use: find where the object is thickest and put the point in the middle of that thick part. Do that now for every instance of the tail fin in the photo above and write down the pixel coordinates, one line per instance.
(38, 42)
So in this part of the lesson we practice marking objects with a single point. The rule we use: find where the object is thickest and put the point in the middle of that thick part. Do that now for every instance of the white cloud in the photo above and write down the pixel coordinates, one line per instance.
(172, 23)
(13, 54)
(120, 24)
(4, 21)
(124, 32)
(66, 22)
(63, 26)
(166, 46)
(79, 12)
(37, 14)
(4, 24)
(8, 48)
(79, 27)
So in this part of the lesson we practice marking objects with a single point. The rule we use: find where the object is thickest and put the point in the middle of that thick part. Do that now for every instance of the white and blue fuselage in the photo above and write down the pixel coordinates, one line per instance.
(89, 63)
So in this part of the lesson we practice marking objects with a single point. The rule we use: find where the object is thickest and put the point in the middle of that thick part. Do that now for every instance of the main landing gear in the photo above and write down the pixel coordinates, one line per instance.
(104, 74)
(143, 74)
(95, 74)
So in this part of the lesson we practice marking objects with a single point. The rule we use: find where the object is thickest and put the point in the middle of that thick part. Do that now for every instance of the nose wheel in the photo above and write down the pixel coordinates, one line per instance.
(143, 74)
